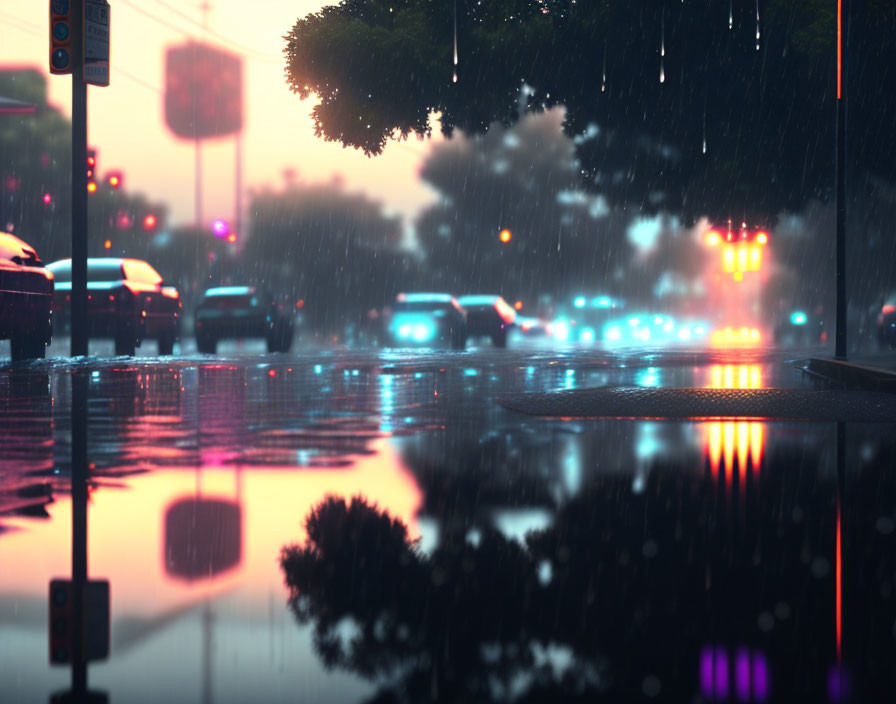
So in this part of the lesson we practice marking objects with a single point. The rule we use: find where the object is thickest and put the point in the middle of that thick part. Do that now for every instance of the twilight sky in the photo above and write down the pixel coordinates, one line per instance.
(125, 120)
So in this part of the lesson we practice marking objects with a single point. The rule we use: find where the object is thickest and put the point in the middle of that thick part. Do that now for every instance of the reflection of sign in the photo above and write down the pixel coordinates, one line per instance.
(62, 620)
(203, 538)
(203, 91)
(96, 42)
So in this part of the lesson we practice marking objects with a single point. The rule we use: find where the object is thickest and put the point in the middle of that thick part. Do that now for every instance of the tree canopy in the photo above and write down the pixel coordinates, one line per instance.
(645, 85)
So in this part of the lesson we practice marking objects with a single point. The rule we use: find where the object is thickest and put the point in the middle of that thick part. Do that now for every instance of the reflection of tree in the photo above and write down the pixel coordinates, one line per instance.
(620, 594)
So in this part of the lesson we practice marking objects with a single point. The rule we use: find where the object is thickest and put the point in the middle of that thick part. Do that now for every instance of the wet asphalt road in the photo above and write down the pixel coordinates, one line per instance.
(339, 525)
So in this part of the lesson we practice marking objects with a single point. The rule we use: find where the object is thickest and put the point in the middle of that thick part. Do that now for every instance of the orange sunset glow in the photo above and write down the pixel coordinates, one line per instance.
(125, 119)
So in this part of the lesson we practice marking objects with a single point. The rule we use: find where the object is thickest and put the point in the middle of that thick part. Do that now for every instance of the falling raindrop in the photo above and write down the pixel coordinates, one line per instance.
(704, 125)
(662, 46)
(757, 25)
(663, 36)
(603, 84)
(730, 14)
(454, 77)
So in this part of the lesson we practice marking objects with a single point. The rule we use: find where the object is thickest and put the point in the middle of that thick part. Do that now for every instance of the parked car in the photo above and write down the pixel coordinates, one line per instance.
(127, 300)
(426, 319)
(488, 316)
(26, 296)
(240, 312)
(886, 324)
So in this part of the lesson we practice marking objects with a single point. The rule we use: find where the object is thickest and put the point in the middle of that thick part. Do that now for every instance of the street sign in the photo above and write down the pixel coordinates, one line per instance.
(96, 42)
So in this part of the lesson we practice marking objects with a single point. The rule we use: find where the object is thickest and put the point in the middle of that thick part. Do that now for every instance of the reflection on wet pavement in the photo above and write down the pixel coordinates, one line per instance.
(376, 526)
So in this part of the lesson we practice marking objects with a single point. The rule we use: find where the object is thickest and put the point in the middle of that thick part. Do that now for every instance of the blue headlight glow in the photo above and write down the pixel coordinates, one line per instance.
(798, 318)
(417, 327)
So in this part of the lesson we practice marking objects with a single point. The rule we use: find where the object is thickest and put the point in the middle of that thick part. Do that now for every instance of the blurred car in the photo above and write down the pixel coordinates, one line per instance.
(238, 312)
(488, 316)
(26, 296)
(886, 324)
(426, 319)
(532, 327)
(127, 300)
(801, 328)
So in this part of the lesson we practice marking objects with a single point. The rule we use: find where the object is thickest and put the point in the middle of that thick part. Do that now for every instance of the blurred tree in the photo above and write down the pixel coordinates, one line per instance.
(524, 179)
(35, 167)
(646, 84)
(336, 251)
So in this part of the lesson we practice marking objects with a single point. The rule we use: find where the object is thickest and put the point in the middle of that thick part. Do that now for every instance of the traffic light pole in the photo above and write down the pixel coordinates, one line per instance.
(840, 346)
(79, 189)
(79, 348)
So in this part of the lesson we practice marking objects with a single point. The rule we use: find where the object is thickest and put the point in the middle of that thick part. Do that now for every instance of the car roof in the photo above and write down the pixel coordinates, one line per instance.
(424, 298)
(12, 246)
(230, 291)
(91, 261)
(478, 300)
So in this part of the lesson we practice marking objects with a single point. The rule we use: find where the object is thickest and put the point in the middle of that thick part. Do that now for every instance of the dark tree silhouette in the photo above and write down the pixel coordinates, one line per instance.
(619, 597)
(380, 68)
(336, 251)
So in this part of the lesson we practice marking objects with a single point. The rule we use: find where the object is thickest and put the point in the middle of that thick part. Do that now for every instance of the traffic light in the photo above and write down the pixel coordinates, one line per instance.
(61, 59)
(114, 179)
(150, 222)
(91, 163)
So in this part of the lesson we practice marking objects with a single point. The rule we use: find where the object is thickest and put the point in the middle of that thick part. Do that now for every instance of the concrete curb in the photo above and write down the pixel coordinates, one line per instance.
(850, 375)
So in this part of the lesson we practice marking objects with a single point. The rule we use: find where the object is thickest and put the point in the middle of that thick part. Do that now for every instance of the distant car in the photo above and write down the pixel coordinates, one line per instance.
(26, 296)
(801, 328)
(426, 319)
(886, 324)
(127, 300)
(488, 316)
(532, 327)
(238, 312)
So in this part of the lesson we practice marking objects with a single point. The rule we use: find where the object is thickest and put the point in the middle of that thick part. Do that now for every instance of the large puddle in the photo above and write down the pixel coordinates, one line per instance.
(346, 526)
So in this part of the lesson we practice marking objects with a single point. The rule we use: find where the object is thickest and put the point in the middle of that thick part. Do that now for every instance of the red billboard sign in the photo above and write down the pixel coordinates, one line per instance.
(203, 91)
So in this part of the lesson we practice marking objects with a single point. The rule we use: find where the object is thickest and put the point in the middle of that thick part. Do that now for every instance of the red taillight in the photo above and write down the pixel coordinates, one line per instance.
(888, 309)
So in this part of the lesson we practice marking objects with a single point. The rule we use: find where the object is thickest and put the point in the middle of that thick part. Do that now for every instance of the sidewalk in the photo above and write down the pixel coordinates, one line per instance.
(852, 374)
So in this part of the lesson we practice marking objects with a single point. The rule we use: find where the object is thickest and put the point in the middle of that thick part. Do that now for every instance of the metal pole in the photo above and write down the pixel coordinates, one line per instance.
(79, 527)
(79, 189)
(238, 188)
(198, 184)
(841, 348)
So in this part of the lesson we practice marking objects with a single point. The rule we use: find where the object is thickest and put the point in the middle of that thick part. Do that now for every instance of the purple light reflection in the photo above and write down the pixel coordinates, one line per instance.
(742, 674)
(838, 684)
(706, 673)
(721, 674)
(761, 679)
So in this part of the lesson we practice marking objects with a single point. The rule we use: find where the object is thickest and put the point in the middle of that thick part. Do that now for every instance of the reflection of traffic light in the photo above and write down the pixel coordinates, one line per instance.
(114, 179)
(61, 59)
(60, 621)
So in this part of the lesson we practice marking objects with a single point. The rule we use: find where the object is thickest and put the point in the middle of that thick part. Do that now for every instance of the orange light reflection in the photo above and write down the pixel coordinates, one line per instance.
(725, 441)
